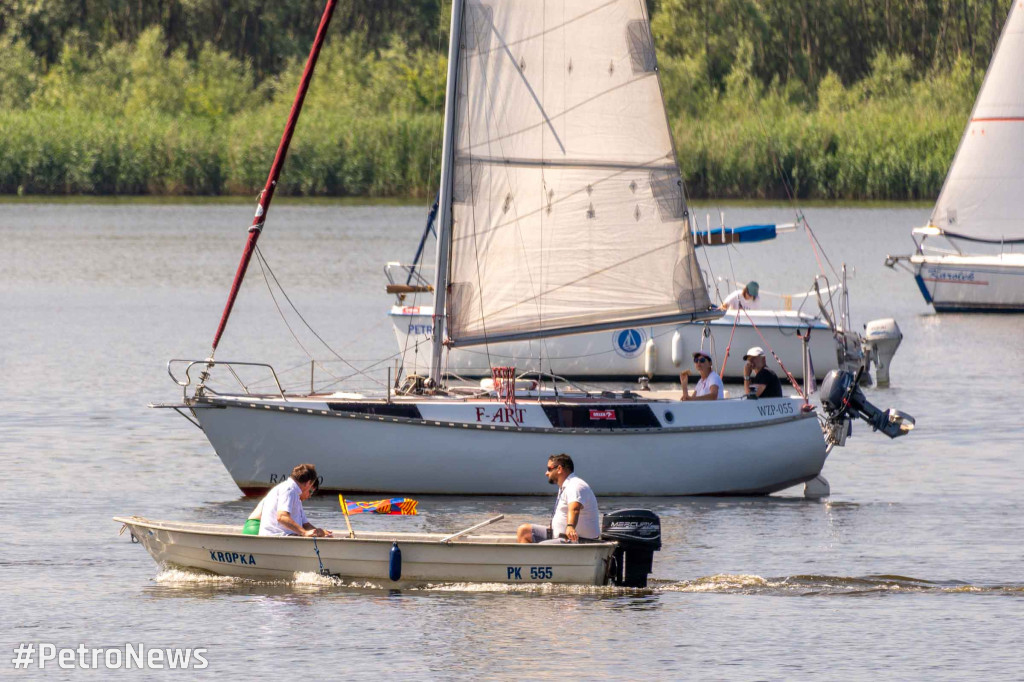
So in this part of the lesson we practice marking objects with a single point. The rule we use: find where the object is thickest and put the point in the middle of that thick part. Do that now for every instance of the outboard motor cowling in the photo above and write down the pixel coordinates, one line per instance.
(881, 339)
(841, 396)
(637, 532)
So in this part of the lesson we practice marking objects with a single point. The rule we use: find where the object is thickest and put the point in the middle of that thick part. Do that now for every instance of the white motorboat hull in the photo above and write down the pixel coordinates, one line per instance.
(483, 447)
(971, 283)
(622, 354)
(224, 550)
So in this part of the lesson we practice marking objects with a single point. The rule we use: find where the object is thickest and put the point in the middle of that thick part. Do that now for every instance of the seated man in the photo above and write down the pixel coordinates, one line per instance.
(758, 380)
(576, 518)
(743, 298)
(282, 512)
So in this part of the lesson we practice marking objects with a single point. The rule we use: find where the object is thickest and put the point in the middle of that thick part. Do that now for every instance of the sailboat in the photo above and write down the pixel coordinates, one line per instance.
(654, 353)
(561, 211)
(979, 203)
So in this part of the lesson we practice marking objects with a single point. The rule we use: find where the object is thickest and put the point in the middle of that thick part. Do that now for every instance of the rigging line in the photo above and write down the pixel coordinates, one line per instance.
(263, 270)
(693, 219)
(789, 375)
(264, 263)
(801, 218)
(376, 363)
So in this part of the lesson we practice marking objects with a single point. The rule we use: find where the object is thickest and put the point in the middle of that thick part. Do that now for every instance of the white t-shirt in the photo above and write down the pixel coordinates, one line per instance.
(282, 497)
(704, 385)
(735, 300)
(588, 525)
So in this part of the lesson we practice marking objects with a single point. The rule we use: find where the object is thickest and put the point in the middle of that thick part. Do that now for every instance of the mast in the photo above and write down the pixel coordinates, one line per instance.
(275, 171)
(444, 224)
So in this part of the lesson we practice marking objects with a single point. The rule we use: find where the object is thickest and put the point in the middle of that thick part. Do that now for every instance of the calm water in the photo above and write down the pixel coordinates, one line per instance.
(914, 568)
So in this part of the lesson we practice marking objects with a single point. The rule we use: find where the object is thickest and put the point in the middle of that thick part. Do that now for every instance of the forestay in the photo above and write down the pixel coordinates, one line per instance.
(568, 208)
(981, 197)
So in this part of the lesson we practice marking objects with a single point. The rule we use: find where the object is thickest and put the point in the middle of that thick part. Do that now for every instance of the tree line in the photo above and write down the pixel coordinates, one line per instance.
(831, 98)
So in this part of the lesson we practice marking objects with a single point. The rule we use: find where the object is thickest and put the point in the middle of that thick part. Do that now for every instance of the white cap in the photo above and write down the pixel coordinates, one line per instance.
(755, 352)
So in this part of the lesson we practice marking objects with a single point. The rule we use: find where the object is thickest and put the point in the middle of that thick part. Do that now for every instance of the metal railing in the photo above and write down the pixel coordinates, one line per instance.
(205, 374)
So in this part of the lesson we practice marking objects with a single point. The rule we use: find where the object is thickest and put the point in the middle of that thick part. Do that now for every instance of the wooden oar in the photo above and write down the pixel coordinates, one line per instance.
(344, 508)
(488, 522)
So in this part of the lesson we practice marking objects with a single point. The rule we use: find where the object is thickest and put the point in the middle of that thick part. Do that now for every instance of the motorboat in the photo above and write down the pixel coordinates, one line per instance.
(623, 557)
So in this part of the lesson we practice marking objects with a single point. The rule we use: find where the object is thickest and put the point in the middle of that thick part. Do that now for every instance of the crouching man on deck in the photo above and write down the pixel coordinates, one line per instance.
(282, 512)
(576, 518)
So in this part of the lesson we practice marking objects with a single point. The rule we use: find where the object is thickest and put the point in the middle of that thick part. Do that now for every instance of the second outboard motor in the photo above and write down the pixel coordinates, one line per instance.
(841, 396)
(637, 532)
(881, 339)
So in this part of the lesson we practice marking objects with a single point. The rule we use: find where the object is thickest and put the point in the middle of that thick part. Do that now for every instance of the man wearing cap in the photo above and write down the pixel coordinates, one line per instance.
(743, 298)
(709, 386)
(757, 378)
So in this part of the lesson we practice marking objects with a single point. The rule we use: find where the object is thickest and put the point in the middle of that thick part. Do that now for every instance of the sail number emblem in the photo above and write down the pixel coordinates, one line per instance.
(629, 343)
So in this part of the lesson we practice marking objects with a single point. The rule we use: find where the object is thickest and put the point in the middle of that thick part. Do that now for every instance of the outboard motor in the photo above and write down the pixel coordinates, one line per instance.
(637, 532)
(842, 398)
(881, 339)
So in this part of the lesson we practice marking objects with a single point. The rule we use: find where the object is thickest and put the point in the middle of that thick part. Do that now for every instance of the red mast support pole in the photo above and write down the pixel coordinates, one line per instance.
(275, 171)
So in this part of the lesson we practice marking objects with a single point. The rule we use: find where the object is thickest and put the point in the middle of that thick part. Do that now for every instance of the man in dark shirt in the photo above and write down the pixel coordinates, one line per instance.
(757, 378)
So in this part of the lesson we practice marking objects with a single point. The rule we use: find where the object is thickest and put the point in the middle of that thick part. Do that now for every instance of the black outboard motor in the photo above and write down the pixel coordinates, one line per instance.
(637, 532)
(841, 396)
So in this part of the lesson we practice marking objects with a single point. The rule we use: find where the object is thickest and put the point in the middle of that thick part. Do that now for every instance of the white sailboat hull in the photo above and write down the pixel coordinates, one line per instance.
(224, 550)
(622, 354)
(971, 283)
(487, 448)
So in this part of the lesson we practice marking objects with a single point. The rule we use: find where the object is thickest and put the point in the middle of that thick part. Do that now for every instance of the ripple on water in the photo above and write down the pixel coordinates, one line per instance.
(826, 585)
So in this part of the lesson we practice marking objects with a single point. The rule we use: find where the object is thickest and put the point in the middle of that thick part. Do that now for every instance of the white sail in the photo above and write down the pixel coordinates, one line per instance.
(567, 205)
(981, 196)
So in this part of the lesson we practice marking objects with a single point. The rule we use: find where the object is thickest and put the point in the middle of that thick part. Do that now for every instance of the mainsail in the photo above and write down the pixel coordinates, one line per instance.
(980, 199)
(567, 207)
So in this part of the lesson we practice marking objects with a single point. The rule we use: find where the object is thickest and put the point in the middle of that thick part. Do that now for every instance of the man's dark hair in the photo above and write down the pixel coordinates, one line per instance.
(563, 460)
(304, 473)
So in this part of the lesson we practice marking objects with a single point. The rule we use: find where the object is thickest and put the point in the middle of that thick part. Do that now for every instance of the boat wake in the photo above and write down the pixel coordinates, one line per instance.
(827, 585)
(788, 586)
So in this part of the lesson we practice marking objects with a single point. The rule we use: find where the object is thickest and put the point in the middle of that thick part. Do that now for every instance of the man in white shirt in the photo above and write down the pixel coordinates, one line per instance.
(743, 298)
(282, 512)
(576, 518)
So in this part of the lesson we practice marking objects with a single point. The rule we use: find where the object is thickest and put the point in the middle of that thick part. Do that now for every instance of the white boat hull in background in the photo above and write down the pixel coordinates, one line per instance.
(971, 283)
(484, 447)
(623, 354)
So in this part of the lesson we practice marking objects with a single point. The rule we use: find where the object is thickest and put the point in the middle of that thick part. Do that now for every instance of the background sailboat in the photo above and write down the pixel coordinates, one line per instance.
(978, 212)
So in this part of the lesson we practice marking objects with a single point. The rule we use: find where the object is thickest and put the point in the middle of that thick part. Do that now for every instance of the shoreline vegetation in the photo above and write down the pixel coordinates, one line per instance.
(764, 99)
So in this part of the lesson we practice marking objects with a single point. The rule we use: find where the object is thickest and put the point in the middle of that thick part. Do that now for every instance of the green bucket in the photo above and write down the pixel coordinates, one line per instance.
(251, 527)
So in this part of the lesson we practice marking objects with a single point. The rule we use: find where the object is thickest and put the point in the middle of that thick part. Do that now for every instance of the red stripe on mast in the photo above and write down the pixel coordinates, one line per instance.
(275, 170)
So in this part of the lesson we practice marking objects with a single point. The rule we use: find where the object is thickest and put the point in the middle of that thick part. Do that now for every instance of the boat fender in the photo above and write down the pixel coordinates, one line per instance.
(677, 349)
(650, 358)
(395, 563)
